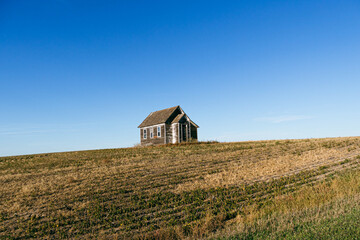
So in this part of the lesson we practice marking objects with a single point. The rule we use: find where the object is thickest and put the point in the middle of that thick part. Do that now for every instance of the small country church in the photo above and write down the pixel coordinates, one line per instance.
(170, 125)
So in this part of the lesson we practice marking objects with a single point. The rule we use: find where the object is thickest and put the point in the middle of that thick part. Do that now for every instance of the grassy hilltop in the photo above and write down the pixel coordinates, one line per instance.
(294, 189)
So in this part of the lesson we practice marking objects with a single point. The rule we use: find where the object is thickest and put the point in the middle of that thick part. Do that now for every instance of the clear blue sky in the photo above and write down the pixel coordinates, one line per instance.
(78, 75)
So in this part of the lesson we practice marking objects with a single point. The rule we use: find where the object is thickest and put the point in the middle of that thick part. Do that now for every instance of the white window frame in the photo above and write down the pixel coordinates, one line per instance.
(159, 131)
(152, 132)
(145, 133)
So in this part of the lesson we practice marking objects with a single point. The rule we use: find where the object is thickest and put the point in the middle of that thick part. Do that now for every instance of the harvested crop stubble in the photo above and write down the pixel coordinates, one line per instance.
(132, 192)
(271, 165)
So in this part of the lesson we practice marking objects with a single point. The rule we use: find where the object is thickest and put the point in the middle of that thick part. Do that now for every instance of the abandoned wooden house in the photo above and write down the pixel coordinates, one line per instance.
(169, 125)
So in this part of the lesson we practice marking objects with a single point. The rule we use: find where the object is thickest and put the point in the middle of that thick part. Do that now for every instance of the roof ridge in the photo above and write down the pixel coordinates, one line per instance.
(167, 108)
(159, 116)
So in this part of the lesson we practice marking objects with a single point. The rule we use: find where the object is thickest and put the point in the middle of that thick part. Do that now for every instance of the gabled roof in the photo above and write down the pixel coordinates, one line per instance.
(158, 117)
(163, 116)
(178, 118)
(193, 123)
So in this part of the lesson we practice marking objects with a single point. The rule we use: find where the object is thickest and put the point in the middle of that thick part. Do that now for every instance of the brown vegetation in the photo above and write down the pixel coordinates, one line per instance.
(140, 192)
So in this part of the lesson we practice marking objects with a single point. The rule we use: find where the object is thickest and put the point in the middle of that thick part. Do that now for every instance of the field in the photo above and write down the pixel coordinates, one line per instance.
(244, 190)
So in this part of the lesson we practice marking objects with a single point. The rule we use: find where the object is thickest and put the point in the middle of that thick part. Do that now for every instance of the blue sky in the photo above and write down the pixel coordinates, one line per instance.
(78, 75)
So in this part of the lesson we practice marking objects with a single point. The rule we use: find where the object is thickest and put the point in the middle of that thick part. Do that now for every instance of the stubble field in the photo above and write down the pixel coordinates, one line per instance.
(199, 190)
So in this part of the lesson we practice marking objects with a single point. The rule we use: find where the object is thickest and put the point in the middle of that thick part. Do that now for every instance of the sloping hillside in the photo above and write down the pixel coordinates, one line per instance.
(174, 191)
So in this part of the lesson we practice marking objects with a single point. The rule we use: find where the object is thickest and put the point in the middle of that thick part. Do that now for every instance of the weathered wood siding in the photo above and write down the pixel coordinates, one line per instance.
(155, 140)
(169, 133)
(174, 133)
(176, 129)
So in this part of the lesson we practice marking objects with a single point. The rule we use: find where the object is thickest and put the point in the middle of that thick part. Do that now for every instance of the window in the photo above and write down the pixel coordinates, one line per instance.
(145, 134)
(151, 132)
(159, 131)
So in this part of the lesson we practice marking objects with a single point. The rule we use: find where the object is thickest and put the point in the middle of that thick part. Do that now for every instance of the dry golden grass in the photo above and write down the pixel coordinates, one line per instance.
(111, 192)
(312, 204)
